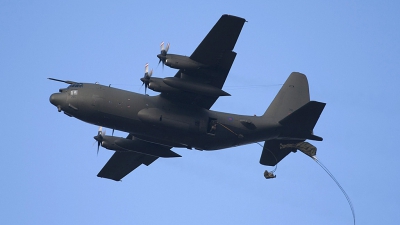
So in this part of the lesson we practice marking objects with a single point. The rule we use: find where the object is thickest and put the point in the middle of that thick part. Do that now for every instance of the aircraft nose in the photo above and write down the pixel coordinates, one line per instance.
(56, 99)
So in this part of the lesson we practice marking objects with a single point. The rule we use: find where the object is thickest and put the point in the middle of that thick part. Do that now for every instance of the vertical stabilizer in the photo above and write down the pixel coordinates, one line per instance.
(297, 115)
(293, 94)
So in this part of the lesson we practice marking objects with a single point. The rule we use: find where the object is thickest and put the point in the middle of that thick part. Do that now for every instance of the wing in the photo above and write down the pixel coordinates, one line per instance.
(216, 53)
(122, 163)
(219, 41)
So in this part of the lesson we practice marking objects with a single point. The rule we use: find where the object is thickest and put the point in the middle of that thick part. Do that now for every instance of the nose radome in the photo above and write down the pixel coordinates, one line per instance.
(56, 99)
(53, 99)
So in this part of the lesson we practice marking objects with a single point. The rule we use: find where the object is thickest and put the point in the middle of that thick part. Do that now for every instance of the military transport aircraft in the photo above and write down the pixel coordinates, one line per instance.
(180, 116)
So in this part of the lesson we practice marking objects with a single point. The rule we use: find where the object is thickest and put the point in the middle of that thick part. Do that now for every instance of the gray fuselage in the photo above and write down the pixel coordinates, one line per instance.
(158, 120)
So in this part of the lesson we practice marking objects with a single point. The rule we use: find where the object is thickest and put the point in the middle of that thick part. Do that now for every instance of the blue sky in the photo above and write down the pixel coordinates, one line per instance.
(350, 51)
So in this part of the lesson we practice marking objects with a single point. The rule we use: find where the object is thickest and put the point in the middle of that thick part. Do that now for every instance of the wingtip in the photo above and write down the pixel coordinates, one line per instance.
(109, 178)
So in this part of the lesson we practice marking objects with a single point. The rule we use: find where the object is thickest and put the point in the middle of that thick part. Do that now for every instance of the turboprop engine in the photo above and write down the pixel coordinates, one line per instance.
(174, 84)
(120, 144)
(177, 61)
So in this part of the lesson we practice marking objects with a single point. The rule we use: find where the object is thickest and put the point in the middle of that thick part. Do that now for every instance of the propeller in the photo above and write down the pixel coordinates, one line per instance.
(64, 81)
(99, 138)
(146, 78)
(163, 55)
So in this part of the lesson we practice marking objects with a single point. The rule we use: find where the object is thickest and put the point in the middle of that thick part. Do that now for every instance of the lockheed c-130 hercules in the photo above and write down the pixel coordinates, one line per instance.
(180, 116)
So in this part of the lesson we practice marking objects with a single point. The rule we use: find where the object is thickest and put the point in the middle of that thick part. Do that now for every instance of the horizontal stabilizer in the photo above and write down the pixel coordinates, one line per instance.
(305, 117)
(300, 124)
(272, 154)
(275, 150)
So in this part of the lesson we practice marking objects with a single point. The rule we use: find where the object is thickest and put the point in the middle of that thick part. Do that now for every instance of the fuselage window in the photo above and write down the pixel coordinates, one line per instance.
(212, 126)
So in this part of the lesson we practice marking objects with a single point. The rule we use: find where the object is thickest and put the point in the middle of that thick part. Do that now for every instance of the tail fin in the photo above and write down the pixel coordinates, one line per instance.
(293, 109)
(298, 115)
(293, 94)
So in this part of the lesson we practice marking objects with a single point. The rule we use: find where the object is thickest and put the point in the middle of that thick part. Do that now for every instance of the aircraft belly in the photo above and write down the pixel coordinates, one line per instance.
(185, 138)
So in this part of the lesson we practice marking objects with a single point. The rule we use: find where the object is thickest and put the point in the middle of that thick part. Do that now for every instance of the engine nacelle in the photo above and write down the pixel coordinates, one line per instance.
(109, 142)
(136, 145)
(157, 85)
(174, 84)
(182, 62)
(197, 88)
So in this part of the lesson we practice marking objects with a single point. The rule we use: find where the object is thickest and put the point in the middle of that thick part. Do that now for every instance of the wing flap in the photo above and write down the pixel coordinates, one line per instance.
(146, 148)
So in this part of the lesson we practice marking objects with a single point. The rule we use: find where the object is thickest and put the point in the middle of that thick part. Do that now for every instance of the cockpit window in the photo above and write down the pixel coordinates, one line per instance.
(76, 85)
(74, 92)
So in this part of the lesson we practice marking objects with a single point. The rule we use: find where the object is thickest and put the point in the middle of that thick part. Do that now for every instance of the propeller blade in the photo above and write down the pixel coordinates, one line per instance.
(162, 46)
(144, 82)
(167, 48)
(99, 138)
(164, 50)
(100, 130)
(146, 68)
